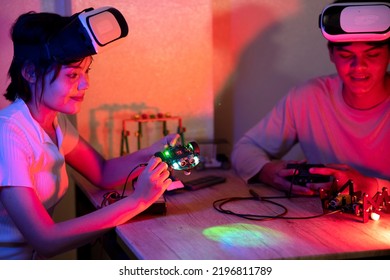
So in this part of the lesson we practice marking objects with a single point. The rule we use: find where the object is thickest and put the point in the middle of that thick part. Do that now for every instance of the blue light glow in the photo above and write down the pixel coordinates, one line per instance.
(243, 235)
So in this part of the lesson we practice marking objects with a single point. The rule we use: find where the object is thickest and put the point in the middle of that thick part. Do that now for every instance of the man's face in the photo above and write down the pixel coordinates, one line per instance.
(361, 66)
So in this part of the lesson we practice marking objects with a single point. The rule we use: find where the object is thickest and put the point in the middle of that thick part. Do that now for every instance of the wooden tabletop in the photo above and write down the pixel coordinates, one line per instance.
(193, 229)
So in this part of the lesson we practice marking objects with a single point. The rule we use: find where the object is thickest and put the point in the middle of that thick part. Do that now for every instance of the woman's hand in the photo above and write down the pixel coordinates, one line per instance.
(153, 181)
(168, 140)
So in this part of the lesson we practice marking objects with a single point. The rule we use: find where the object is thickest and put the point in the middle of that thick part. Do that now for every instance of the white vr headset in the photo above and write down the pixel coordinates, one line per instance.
(88, 33)
(347, 22)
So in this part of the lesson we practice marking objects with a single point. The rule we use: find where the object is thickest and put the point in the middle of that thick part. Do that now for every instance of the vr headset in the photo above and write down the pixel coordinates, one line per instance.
(88, 33)
(347, 22)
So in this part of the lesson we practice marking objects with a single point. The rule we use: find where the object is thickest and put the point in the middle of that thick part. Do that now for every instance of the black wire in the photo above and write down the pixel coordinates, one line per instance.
(247, 216)
(128, 176)
(218, 205)
(112, 196)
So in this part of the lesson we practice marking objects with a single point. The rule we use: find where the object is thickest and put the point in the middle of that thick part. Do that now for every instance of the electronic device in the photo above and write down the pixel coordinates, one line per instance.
(181, 157)
(203, 182)
(355, 202)
(303, 176)
(346, 22)
(88, 33)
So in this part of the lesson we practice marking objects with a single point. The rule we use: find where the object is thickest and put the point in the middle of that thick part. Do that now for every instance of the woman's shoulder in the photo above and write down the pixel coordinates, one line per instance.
(13, 112)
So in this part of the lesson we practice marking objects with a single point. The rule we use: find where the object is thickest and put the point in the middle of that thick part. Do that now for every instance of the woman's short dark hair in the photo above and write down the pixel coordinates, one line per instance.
(377, 43)
(29, 35)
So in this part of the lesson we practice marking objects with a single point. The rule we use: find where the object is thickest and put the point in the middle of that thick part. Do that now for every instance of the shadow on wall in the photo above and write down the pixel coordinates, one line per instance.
(282, 48)
(109, 121)
(254, 83)
(258, 83)
(109, 145)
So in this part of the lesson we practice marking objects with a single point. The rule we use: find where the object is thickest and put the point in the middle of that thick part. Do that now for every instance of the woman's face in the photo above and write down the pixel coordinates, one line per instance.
(66, 93)
(361, 66)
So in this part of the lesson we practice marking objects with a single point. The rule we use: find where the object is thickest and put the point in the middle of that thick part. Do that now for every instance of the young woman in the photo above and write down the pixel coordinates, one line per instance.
(37, 140)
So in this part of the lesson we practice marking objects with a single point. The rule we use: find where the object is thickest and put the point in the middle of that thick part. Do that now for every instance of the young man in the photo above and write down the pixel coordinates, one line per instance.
(340, 120)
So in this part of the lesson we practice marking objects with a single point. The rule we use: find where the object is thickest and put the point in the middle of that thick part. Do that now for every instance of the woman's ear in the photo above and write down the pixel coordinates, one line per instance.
(28, 72)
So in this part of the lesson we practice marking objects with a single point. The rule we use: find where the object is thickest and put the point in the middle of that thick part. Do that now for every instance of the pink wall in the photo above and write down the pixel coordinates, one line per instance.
(163, 66)
(8, 13)
(219, 64)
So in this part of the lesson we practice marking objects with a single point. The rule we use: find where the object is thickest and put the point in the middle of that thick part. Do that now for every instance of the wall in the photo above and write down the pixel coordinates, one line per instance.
(272, 45)
(163, 66)
(219, 64)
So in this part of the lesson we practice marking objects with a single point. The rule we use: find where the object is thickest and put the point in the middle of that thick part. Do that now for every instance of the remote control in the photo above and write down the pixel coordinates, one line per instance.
(303, 176)
(203, 182)
(181, 157)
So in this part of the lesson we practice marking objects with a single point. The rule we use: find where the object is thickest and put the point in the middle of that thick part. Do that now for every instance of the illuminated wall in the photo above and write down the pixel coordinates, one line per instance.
(261, 49)
(219, 64)
(163, 66)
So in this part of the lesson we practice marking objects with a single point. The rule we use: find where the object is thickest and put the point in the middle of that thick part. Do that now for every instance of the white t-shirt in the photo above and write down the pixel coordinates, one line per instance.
(316, 116)
(29, 158)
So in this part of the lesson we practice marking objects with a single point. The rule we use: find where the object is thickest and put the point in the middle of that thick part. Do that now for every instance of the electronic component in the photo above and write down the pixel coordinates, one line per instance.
(355, 202)
(181, 157)
(88, 33)
(303, 176)
(203, 182)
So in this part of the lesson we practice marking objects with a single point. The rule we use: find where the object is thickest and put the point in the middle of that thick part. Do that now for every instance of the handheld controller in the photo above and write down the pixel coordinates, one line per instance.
(303, 176)
(181, 157)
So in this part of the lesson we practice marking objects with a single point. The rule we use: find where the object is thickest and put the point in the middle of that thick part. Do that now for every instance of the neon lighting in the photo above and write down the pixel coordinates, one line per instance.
(175, 166)
(243, 235)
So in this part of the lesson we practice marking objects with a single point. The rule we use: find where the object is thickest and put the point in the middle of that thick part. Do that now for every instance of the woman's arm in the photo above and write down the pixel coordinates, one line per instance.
(49, 238)
(113, 172)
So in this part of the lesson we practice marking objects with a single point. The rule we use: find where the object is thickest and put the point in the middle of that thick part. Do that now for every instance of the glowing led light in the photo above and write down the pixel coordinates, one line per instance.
(196, 160)
(175, 166)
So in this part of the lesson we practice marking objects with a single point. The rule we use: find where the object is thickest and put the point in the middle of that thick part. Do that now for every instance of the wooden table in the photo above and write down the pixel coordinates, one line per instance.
(193, 229)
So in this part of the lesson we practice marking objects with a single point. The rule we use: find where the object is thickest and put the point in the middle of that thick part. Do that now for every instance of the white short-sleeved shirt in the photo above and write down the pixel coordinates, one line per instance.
(29, 158)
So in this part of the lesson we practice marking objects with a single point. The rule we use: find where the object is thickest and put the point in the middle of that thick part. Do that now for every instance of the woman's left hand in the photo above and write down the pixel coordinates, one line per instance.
(163, 143)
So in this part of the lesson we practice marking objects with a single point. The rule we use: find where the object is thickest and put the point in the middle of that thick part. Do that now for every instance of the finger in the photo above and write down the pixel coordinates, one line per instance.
(287, 172)
(153, 163)
(337, 166)
(161, 168)
(322, 171)
(166, 183)
(296, 189)
(172, 139)
(164, 175)
(318, 186)
(302, 161)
